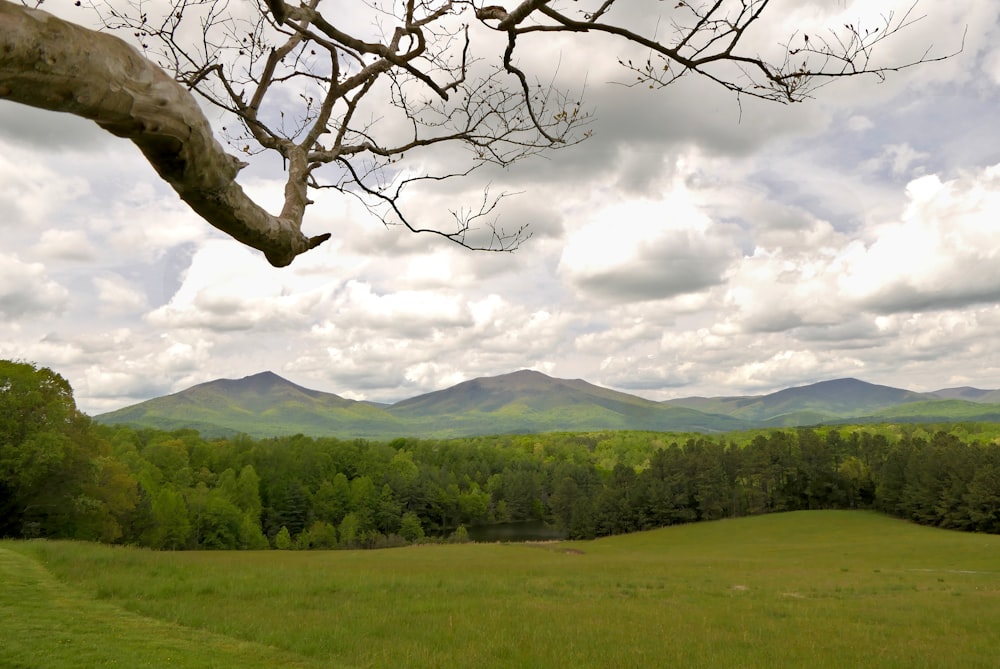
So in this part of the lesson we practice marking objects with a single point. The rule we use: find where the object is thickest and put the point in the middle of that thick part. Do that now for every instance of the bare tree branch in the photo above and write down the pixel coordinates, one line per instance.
(370, 97)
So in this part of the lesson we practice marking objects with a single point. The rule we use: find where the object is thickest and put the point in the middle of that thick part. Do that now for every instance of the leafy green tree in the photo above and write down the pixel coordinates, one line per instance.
(520, 490)
(332, 500)
(388, 512)
(459, 536)
(403, 476)
(410, 527)
(169, 454)
(859, 488)
(251, 537)
(283, 539)
(349, 532)
(137, 522)
(443, 506)
(247, 496)
(220, 523)
(171, 527)
(364, 502)
(473, 505)
(111, 496)
(563, 500)
(56, 476)
(321, 534)
(225, 484)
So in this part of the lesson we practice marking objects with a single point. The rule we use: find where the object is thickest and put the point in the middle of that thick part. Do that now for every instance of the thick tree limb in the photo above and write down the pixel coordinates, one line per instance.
(49, 63)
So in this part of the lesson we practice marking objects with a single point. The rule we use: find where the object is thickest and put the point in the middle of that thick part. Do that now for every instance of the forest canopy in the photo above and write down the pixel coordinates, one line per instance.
(63, 476)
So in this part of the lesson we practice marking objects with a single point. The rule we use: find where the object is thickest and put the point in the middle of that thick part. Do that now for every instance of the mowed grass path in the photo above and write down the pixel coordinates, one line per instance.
(46, 624)
(809, 589)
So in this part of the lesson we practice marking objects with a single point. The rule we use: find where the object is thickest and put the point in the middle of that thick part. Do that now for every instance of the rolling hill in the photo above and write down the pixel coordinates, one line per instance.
(527, 401)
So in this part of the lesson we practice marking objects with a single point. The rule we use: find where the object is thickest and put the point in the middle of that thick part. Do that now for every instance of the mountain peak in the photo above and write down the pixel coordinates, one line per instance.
(265, 379)
(258, 390)
(843, 395)
(259, 382)
(265, 375)
(525, 390)
(522, 373)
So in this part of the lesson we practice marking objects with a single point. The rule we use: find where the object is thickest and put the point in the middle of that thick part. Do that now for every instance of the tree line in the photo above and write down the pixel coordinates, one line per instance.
(61, 475)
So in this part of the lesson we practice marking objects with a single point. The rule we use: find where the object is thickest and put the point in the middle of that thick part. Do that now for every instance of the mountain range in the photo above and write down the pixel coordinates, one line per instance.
(527, 401)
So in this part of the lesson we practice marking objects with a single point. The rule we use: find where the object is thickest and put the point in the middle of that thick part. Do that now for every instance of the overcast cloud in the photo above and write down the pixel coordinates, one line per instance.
(692, 246)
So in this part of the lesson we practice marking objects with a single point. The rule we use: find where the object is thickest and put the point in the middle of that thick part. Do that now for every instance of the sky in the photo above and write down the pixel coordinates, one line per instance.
(693, 245)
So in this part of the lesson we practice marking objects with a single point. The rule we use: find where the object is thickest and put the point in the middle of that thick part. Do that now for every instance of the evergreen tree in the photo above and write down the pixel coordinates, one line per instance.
(983, 499)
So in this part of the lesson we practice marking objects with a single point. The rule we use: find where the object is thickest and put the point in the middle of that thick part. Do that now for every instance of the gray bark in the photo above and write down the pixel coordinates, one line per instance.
(49, 63)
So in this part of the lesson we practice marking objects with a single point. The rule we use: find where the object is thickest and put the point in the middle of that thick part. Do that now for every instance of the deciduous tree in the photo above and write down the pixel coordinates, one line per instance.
(56, 478)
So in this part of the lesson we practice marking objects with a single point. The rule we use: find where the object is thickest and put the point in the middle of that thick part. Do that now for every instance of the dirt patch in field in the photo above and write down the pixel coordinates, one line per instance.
(554, 546)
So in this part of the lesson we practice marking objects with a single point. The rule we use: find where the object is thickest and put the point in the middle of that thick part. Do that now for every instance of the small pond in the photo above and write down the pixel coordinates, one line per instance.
(529, 530)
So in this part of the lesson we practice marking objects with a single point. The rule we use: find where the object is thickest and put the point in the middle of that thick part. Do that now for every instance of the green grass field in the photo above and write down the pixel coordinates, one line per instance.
(808, 589)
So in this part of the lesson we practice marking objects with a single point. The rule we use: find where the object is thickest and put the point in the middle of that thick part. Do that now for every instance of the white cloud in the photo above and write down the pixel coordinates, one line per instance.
(694, 245)
(789, 368)
(117, 294)
(644, 249)
(72, 245)
(27, 291)
(899, 159)
(229, 287)
(32, 191)
(146, 220)
(942, 253)
(859, 123)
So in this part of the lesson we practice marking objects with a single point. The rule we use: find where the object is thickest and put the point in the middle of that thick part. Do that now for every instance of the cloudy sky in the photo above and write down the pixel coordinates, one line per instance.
(692, 246)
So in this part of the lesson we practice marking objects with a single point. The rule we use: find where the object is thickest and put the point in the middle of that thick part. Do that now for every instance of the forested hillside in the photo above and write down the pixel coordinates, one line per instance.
(523, 402)
(63, 476)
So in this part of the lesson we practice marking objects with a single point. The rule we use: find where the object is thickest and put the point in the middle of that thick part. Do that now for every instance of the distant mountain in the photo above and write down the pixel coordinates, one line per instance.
(528, 402)
(261, 405)
(969, 394)
(807, 405)
(519, 391)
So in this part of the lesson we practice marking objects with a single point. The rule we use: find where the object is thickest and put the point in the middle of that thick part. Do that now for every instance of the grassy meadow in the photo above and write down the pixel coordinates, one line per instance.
(816, 589)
